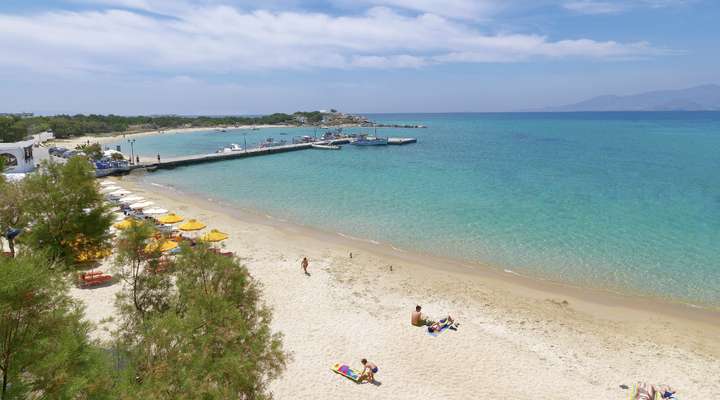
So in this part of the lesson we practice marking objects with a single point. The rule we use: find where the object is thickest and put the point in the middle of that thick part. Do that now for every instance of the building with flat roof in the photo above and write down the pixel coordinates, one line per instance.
(25, 155)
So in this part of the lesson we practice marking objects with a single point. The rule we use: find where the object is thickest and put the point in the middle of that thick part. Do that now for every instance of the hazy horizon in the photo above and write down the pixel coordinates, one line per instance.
(245, 57)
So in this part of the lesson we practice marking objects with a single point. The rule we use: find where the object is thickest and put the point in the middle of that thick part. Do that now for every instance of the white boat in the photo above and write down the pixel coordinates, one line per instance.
(233, 147)
(325, 146)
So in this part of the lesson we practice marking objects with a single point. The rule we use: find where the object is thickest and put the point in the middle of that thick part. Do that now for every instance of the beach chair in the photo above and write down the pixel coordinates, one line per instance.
(93, 278)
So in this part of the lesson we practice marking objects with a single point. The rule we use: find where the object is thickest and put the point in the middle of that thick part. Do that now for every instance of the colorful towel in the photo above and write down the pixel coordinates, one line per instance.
(346, 371)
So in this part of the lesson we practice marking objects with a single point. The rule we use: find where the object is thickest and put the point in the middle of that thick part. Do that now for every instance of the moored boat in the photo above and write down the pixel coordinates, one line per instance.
(325, 146)
(233, 147)
(365, 140)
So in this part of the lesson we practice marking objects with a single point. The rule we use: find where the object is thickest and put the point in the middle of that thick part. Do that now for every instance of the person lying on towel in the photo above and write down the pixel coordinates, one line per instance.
(438, 326)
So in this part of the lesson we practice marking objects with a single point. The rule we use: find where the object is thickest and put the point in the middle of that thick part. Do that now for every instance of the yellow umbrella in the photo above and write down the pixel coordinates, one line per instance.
(214, 236)
(171, 218)
(161, 246)
(192, 225)
(124, 224)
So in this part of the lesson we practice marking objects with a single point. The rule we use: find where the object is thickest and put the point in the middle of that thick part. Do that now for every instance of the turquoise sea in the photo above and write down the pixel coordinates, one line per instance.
(628, 202)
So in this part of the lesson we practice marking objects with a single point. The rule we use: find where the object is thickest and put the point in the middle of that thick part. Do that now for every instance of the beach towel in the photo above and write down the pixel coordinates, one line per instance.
(442, 329)
(346, 371)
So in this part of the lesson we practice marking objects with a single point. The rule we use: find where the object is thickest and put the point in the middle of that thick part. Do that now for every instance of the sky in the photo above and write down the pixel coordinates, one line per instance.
(220, 57)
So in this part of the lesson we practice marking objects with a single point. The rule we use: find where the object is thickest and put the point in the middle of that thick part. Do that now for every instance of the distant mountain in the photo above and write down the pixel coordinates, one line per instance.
(699, 98)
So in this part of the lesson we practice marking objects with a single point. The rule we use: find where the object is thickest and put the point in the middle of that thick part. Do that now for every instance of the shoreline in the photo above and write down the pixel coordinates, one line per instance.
(520, 342)
(588, 296)
(112, 137)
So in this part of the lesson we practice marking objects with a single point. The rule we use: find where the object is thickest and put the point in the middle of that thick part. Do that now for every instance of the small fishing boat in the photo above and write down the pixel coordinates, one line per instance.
(325, 146)
(233, 147)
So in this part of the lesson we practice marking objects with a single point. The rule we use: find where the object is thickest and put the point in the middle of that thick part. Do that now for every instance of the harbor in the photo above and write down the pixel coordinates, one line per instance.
(180, 161)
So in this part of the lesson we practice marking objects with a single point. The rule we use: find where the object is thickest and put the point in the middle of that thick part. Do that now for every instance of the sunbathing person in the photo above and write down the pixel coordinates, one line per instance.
(418, 319)
(440, 325)
(369, 371)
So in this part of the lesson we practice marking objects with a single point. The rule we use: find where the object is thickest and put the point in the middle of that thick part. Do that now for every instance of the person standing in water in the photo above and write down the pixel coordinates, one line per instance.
(304, 264)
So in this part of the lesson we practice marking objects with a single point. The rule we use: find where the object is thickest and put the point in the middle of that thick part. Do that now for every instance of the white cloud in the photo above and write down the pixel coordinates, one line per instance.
(594, 7)
(223, 39)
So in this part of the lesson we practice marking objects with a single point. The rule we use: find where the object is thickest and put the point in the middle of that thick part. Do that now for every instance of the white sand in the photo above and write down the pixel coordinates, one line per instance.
(516, 341)
(70, 143)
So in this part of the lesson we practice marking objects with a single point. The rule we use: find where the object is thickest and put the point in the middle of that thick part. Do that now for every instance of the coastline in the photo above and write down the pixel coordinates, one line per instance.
(103, 139)
(584, 296)
(522, 339)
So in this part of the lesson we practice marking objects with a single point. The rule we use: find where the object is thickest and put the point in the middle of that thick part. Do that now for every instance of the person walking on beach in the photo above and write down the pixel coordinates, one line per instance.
(158, 158)
(304, 264)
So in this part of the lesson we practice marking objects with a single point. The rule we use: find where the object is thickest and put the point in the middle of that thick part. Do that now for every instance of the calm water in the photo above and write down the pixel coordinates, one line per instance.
(623, 201)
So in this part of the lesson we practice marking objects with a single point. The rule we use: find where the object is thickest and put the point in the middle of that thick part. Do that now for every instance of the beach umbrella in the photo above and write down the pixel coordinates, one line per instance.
(107, 183)
(214, 236)
(121, 192)
(171, 218)
(142, 204)
(108, 189)
(161, 246)
(192, 225)
(126, 223)
(132, 199)
(155, 211)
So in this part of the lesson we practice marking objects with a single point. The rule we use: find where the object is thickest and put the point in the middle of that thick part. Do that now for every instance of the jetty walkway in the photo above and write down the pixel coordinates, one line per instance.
(172, 162)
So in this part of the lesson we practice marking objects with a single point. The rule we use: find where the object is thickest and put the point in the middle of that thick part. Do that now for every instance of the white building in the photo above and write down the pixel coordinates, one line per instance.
(24, 156)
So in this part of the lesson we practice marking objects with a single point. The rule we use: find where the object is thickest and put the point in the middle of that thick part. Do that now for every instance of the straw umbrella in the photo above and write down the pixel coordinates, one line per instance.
(171, 218)
(214, 236)
(126, 223)
(192, 225)
(161, 245)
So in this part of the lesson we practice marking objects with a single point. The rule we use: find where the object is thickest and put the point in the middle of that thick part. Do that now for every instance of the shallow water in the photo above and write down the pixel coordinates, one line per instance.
(622, 201)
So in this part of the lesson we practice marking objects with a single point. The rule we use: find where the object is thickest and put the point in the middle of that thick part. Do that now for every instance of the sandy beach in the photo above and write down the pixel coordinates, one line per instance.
(518, 339)
(102, 139)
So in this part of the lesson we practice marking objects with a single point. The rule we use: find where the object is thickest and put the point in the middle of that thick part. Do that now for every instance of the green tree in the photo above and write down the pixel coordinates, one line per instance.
(66, 209)
(44, 347)
(92, 150)
(215, 340)
(136, 265)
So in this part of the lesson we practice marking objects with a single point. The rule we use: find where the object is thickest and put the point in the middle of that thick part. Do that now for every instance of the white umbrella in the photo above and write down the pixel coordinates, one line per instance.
(108, 189)
(121, 192)
(140, 205)
(107, 183)
(131, 199)
(155, 211)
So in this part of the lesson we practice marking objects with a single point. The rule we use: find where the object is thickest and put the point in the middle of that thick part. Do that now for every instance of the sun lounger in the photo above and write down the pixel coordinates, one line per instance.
(94, 278)
(346, 371)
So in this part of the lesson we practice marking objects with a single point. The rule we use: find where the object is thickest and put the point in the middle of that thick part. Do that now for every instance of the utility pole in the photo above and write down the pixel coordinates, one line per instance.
(132, 151)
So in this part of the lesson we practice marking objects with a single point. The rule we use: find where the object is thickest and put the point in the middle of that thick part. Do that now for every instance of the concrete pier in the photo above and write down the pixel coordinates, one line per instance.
(172, 162)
